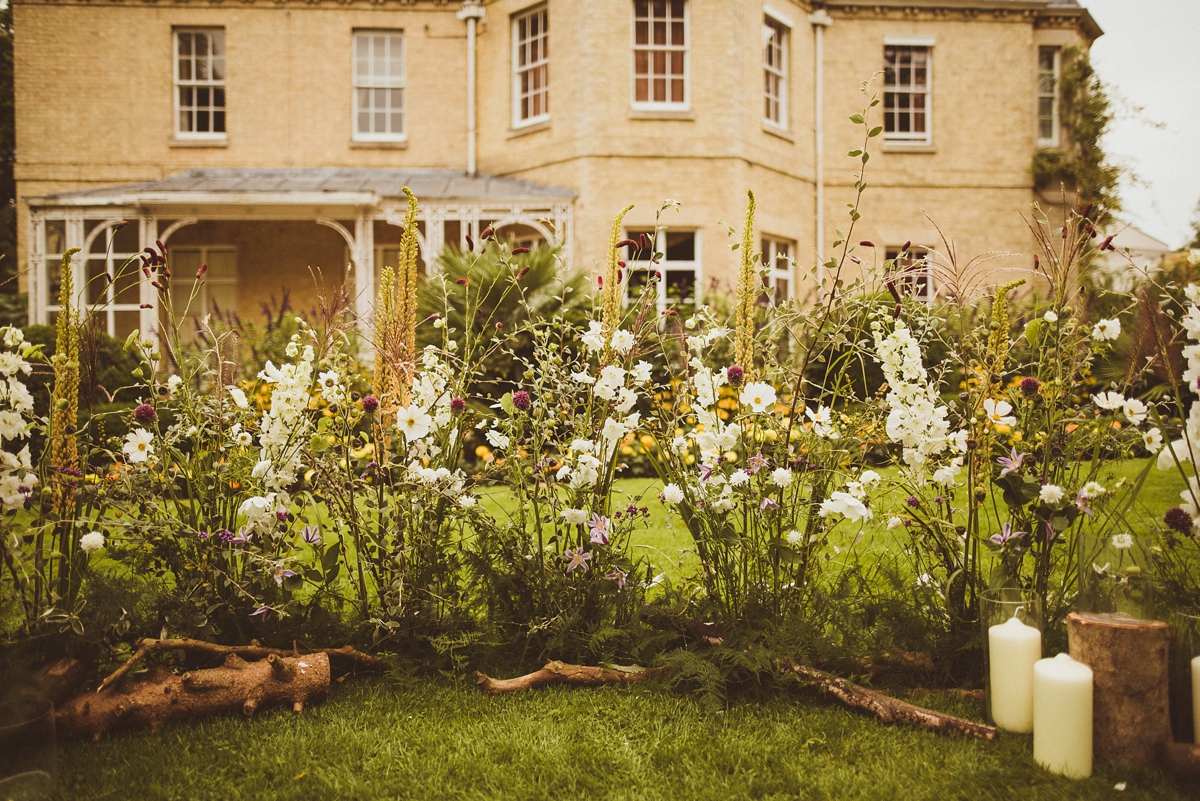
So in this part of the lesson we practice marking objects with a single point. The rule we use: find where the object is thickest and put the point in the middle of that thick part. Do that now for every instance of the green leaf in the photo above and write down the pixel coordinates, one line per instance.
(857, 119)
(293, 583)
(330, 559)
(866, 157)
(318, 444)
(507, 405)
(876, 131)
(854, 153)
(1033, 332)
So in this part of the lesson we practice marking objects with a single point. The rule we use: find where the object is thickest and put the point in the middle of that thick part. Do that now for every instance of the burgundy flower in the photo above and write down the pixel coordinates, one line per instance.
(145, 414)
(1030, 387)
(470, 243)
(1178, 520)
(203, 269)
(226, 536)
(736, 375)
(913, 502)
(519, 251)
(486, 233)
(370, 404)
(461, 282)
(458, 405)
(524, 270)
(521, 400)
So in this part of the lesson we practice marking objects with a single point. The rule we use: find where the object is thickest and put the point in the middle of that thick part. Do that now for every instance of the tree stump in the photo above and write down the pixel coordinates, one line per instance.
(1131, 712)
(164, 696)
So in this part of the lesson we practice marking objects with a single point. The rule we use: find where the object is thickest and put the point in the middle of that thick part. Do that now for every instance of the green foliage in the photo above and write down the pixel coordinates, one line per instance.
(1081, 164)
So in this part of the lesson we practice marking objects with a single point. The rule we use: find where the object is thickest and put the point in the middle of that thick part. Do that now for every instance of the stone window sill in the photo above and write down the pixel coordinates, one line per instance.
(357, 145)
(649, 114)
(775, 130)
(544, 125)
(894, 147)
(177, 142)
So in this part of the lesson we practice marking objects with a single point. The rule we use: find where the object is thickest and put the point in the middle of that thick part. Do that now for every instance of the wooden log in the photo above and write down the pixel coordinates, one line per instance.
(1131, 713)
(889, 709)
(556, 672)
(1181, 760)
(58, 679)
(164, 696)
(347, 655)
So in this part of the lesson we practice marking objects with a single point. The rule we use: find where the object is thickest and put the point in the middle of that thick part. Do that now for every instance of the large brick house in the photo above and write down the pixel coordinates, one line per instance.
(268, 136)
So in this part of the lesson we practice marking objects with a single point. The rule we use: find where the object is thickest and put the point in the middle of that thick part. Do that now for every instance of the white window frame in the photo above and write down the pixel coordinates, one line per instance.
(1053, 95)
(911, 138)
(113, 261)
(666, 267)
(776, 31)
(917, 254)
(201, 303)
(668, 105)
(774, 248)
(377, 82)
(518, 70)
(178, 84)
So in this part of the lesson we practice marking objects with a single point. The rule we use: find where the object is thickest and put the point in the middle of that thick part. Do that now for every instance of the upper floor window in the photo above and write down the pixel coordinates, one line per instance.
(531, 66)
(379, 86)
(777, 272)
(200, 83)
(660, 53)
(775, 72)
(906, 82)
(1049, 65)
(679, 265)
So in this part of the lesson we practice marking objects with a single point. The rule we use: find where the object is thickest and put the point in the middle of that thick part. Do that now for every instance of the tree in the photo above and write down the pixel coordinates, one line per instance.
(8, 149)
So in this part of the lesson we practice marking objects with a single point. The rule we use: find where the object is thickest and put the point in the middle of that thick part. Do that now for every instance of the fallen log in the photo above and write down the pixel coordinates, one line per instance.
(163, 696)
(1181, 760)
(58, 679)
(556, 672)
(1131, 714)
(889, 709)
(254, 651)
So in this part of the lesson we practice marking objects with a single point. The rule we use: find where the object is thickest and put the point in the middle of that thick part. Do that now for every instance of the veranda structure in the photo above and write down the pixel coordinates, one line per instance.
(264, 232)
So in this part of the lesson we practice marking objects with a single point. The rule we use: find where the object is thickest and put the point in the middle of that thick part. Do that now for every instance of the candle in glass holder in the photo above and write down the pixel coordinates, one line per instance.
(1196, 699)
(1062, 716)
(1013, 648)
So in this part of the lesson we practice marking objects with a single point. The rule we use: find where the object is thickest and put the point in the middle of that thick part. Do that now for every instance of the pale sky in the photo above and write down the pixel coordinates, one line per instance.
(1150, 57)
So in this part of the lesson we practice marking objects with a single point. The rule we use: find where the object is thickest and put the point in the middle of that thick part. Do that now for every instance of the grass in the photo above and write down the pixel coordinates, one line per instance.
(440, 739)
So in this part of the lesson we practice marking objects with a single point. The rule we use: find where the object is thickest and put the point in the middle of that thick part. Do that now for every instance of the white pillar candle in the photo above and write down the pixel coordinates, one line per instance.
(1013, 648)
(1062, 716)
(1196, 699)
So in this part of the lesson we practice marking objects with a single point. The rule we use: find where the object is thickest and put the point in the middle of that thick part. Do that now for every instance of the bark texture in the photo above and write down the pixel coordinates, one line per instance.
(1181, 760)
(1131, 713)
(164, 696)
(561, 673)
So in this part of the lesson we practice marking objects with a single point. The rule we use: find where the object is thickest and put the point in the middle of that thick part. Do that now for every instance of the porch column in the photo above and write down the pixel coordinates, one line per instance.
(75, 239)
(363, 250)
(37, 269)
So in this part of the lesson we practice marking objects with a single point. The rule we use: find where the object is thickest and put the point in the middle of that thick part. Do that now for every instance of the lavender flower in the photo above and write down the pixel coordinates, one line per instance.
(1006, 534)
(311, 535)
(1012, 463)
(768, 503)
(599, 527)
(280, 573)
(618, 576)
(913, 502)
(577, 559)
(226, 536)
(458, 405)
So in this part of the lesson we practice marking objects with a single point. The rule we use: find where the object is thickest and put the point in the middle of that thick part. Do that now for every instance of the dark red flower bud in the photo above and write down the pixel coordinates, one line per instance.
(122, 224)
(521, 400)
(620, 264)
(458, 405)
(1037, 263)
(519, 251)
(370, 404)
(627, 243)
(600, 281)
(146, 306)
(166, 272)
(461, 282)
(904, 248)
(524, 270)
(145, 414)
(1030, 386)
(620, 276)
(643, 242)
(203, 269)
(486, 233)
(146, 270)
(867, 243)
(470, 243)
(161, 247)
(499, 325)
(670, 313)
(158, 286)
(1087, 210)
(1107, 243)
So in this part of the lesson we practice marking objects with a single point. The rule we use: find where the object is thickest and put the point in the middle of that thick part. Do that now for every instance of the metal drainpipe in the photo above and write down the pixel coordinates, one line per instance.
(820, 21)
(472, 12)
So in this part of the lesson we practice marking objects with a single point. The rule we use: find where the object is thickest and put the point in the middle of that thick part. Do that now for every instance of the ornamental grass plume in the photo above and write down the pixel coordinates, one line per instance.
(748, 287)
(611, 300)
(64, 397)
(396, 318)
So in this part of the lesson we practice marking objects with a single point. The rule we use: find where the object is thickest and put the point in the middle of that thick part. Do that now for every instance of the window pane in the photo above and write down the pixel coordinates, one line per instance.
(97, 282)
(681, 246)
(56, 236)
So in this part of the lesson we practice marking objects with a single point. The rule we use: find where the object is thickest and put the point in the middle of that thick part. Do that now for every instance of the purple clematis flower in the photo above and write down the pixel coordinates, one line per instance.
(599, 526)
(755, 463)
(1081, 505)
(280, 573)
(243, 537)
(311, 535)
(577, 559)
(705, 472)
(263, 610)
(769, 503)
(618, 576)
(1006, 534)
(1011, 464)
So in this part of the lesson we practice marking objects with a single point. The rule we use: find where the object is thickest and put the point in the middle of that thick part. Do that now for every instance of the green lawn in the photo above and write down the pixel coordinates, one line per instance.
(440, 739)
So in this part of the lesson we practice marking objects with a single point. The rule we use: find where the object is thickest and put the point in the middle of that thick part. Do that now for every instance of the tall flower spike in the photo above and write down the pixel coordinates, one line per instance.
(747, 295)
(611, 297)
(64, 397)
(407, 306)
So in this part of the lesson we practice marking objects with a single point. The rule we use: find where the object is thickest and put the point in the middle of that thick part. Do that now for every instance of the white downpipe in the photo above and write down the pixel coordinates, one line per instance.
(820, 21)
(472, 12)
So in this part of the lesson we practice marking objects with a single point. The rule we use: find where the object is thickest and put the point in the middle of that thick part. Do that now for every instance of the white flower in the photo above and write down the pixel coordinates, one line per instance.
(593, 340)
(173, 382)
(239, 397)
(947, 474)
(672, 494)
(720, 332)
(414, 422)
(627, 400)
(90, 543)
(998, 412)
(641, 372)
(1051, 494)
(575, 517)
(822, 420)
(261, 468)
(138, 445)
(245, 439)
(1106, 330)
(622, 341)
(330, 386)
(439, 322)
(894, 523)
(678, 444)
(1109, 401)
(466, 501)
(1050, 317)
(758, 396)
(1092, 489)
(498, 440)
(1135, 410)
(739, 478)
(583, 378)
(794, 538)
(1122, 541)
(1152, 440)
(868, 477)
(845, 504)
(781, 477)
(582, 445)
